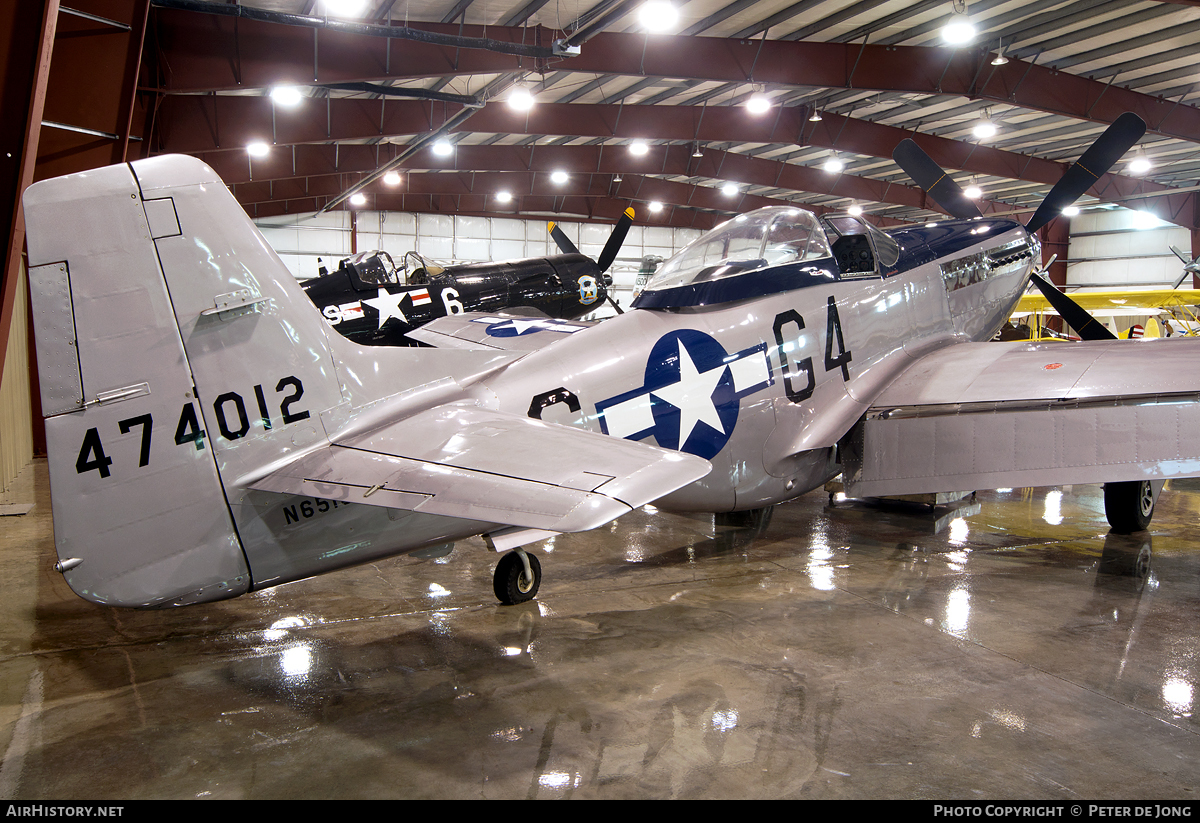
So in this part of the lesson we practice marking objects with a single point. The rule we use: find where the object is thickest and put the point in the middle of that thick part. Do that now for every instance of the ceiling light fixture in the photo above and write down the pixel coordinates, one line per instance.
(815, 117)
(344, 8)
(1140, 163)
(696, 150)
(1070, 211)
(286, 95)
(834, 164)
(520, 99)
(358, 199)
(558, 177)
(443, 148)
(959, 31)
(1000, 59)
(258, 149)
(985, 129)
(729, 189)
(973, 192)
(638, 148)
(658, 15)
(855, 210)
(617, 179)
(758, 103)
(391, 178)
(656, 206)
(504, 196)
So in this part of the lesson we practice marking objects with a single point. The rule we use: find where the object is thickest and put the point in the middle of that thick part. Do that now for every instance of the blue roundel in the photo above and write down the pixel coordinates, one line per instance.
(692, 394)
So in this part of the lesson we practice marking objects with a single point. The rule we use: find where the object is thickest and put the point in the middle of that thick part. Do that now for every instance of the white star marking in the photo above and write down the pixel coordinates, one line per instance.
(523, 326)
(388, 306)
(692, 395)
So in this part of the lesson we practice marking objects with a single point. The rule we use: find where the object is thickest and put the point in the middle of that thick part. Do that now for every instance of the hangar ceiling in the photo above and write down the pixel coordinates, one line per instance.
(874, 71)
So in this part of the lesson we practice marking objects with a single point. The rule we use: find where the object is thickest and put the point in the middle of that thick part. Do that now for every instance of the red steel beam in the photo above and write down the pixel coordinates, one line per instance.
(207, 53)
(92, 86)
(479, 205)
(590, 197)
(309, 161)
(198, 125)
(26, 42)
(633, 189)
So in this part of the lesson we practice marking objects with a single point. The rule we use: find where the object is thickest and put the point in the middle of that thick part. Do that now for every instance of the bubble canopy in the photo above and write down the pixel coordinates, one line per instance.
(713, 268)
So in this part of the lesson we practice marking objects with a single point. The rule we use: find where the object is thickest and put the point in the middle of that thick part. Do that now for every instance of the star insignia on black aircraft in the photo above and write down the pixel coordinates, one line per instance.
(388, 306)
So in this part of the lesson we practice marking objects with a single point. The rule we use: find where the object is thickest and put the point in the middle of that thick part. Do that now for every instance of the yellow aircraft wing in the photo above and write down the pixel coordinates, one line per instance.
(1105, 302)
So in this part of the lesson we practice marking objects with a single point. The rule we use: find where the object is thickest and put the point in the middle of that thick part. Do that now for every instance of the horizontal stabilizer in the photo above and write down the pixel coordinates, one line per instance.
(993, 415)
(489, 466)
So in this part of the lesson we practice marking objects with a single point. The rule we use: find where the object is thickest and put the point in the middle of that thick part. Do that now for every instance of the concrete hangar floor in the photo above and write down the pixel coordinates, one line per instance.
(996, 650)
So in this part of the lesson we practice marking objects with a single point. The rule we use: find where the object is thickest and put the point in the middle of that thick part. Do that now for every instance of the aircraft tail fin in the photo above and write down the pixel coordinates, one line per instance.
(178, 356)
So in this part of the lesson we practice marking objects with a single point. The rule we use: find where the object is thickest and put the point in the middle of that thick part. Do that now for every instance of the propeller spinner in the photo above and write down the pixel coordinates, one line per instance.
(607, 255)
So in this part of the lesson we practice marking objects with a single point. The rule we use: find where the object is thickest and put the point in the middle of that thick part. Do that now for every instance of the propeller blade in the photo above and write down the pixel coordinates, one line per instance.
(1096, 161)
(1189, 267)
(561, 240)
(609, 254)
(927, 174)
(1088, 327)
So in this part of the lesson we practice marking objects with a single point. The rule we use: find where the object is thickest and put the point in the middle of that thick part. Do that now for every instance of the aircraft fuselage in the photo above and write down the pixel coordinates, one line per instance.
(763, 387)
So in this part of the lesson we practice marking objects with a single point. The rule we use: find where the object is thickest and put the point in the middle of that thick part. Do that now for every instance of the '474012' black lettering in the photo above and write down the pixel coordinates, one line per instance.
(229, 409)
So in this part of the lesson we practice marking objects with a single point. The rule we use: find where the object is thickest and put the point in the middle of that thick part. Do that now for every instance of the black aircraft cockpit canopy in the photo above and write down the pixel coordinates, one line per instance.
(859, 248)
(371, 269)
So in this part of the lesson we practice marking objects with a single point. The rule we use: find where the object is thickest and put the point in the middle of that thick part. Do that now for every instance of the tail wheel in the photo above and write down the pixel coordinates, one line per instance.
(512, 583)
(1129, 506)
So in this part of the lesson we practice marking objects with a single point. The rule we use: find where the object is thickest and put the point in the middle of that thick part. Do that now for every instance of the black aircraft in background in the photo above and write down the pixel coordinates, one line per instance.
(372, 302)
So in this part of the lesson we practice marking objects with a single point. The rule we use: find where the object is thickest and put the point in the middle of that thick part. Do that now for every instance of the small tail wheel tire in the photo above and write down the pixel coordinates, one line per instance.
(510, 582)
(1129, 506)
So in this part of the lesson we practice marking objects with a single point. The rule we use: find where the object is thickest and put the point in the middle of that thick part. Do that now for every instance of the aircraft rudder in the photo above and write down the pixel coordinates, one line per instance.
(139, 512)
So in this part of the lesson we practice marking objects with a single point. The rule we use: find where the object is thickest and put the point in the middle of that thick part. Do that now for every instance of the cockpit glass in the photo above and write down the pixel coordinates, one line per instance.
(774, 236)
(373, 267)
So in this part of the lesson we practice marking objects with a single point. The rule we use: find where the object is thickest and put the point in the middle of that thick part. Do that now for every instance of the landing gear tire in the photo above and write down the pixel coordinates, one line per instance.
(510, 581)
(1129, 506)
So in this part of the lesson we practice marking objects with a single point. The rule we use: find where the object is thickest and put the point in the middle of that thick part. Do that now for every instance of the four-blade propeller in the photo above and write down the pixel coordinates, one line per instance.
(607, 255)
(1117, 139)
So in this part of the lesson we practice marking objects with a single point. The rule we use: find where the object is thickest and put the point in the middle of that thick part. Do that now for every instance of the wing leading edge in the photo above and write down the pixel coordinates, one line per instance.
(474, 463)
(990, 415)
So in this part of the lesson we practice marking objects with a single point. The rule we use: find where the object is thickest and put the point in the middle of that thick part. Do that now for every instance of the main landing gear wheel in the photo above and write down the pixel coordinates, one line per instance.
(512, 582)
(1129, 506)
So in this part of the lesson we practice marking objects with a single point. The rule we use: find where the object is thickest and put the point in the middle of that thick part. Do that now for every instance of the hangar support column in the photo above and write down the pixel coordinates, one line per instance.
(1056, 239)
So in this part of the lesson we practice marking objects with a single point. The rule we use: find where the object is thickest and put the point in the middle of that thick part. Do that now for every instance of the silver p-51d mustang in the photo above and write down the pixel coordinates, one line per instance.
(209, 435)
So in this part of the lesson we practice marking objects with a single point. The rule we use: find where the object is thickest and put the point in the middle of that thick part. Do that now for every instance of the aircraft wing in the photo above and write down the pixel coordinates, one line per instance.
(994, 415)
(474, 463)
(475, 330)
(1108, 302)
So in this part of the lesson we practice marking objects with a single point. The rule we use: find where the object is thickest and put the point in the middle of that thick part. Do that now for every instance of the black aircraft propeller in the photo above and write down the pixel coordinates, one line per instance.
(607, 255)
(1117, 139)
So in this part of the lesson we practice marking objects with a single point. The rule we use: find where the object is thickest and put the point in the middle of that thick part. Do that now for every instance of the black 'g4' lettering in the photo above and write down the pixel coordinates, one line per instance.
(804, 367)
(833, 330)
